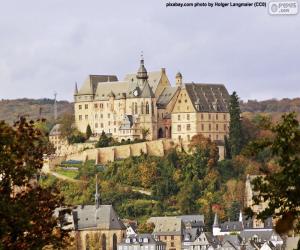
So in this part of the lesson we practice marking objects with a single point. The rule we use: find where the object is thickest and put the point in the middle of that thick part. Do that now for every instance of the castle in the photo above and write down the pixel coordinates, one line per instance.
(147, 105)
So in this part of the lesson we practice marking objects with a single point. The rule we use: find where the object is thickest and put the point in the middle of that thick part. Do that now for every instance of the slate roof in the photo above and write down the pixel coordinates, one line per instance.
(264, 235)
(231, 226)
(55, 130)
(147, 91)
(166, 96)
(104, 217)
(90, 84)
(208, 97)
(211, 240)
(235, 240)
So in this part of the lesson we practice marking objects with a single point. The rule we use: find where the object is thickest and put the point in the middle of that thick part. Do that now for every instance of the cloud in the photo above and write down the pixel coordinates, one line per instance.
(47, 46)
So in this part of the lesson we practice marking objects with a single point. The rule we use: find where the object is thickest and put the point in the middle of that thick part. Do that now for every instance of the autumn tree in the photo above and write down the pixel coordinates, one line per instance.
(280, 189)
(26, 208)
(235, 126)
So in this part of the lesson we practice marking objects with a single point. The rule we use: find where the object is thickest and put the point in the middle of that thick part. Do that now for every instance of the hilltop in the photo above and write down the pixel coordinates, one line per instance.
(32, 109)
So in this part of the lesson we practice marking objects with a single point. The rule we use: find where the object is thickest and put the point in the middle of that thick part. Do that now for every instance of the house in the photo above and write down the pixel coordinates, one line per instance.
(169, 230)
(141, 242)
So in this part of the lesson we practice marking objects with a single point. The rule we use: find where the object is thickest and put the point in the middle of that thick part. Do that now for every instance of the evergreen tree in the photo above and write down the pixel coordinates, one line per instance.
(227, 148)
(235, 127)
(88, 131)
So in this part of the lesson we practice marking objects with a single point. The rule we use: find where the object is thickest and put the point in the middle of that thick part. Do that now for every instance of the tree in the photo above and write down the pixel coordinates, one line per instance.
(104, 141)
(145, 133)
(235, 126)
(67, 128)
(280, 189)
(26, 208)
(88, 131)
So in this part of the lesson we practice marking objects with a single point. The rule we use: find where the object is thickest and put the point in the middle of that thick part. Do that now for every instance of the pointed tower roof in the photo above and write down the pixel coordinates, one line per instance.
(147, 91)
(76, 89)
(216, 222)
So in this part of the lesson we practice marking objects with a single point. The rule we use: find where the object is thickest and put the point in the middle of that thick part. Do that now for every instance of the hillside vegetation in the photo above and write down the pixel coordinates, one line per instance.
(33, 109)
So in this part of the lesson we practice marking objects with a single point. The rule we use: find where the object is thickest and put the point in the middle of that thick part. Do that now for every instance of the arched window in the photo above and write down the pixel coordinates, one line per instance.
(135, 108)
(132, 108)
(147, 108)
(87, 242)
(103, 242)
(115, 242)
(142, 108)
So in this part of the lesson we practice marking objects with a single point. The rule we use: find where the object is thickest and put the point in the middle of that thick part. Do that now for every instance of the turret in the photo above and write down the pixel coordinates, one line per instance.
(216, 227)
(178, 79)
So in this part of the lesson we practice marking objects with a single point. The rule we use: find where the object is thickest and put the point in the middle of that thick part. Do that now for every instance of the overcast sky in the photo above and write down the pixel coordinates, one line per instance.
(48, 45)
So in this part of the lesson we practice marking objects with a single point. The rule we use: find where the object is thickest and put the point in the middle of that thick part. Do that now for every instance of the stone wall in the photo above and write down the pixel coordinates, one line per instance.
(110, 154)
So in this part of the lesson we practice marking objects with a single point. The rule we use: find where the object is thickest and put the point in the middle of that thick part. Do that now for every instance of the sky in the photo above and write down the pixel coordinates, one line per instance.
(46, 46)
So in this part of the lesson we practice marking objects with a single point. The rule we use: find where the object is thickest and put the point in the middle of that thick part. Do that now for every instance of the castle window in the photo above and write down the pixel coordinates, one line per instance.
(96, 125)
(142, 108)
(217, 127)
(86, 117)
(79, 106)
(188, 137)
(209, 116)
(178, 127)
(101, 125)
(96, 105)
(115, 130)
(217, 117)
(178, 117)
(108, 115)
(147, 108)
(115, 123)
(224, 116)
(217, 137)
(179, 101)
(202, 116)
(209, 127)
(80, 117)
(86, 106)
(225, 127)
(202, 127)
(188, 127)
(101, 115)
(108, 123)
(135, 108)
(188, 116)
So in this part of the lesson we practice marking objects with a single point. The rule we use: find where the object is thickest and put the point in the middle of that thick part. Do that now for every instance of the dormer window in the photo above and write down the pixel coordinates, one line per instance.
(146, 240)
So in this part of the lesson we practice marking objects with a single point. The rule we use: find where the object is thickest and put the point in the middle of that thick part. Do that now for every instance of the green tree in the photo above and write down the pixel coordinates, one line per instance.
(88, 132)
(104, 141)
(280, 188)
(145, 133)
(235, 126)
(26, 208)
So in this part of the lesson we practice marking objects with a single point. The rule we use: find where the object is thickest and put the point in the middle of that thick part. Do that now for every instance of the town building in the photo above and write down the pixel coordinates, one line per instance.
(141, 242)
(148, 102)
(58, 141)
(95, 226)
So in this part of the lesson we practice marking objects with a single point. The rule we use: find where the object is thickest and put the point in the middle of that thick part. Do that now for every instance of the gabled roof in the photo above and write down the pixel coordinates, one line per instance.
(89, 217)
(168, 225)
(55, 130)
(208, 97)
(147, 91)
(263, 235)
(90, 84)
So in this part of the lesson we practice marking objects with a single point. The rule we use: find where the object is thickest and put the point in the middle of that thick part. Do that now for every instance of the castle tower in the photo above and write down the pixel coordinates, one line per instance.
(142, 74)
(178, 79)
